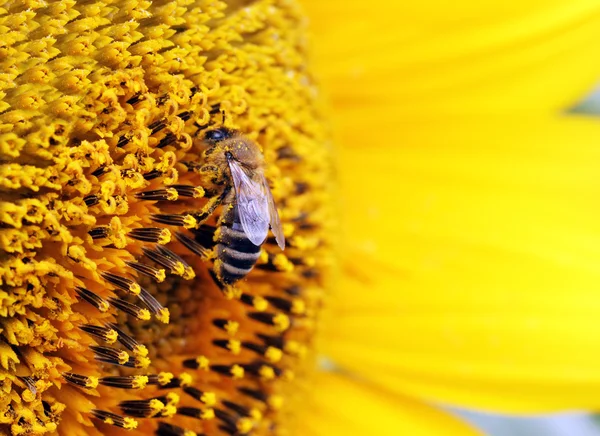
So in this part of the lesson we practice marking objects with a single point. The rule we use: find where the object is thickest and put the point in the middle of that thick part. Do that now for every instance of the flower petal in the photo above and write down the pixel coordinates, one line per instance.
(344, 407)
(495, 56)
(474, 273)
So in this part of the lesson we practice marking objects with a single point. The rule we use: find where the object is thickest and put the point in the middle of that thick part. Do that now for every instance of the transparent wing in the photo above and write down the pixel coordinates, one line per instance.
(274, 215)
(252, 204)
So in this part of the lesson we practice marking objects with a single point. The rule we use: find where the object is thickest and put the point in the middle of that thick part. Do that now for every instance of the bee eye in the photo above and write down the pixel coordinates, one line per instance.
(214, 135)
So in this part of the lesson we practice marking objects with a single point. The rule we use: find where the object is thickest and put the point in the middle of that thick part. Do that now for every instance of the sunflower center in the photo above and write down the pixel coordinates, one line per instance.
(129, 297)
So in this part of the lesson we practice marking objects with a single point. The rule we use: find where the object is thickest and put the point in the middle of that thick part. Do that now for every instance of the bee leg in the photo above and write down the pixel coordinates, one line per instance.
(210, 206)
(205, 235)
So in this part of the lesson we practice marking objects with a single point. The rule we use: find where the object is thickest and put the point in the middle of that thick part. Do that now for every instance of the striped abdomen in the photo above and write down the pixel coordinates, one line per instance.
(236, 255)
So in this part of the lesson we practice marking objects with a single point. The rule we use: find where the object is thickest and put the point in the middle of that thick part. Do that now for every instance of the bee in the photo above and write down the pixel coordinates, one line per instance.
(236, 165)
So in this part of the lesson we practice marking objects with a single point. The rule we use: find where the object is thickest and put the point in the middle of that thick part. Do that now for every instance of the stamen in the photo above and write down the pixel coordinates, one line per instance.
(153, 174)
(130, 343)
(231, 327)
(168, 194)
(163, 379)
(232, 345)
(257, 302)
(95, 300)
(174, 263)
(195, 412)
(157, 274)
(187, 221)
(157, 235)
(272, 354)
(114, 419)
(99, 232)
(100, 170)
(294, 306)
(102, 333)
(263, 370)
(110, 355)
(122, 283)
(165, 429)
(91, 200)
(200, 362)
(83, 381)
(168, 139)
(157, 126)
(192, 245)
(280, 321)
(161, 313)
(130, 308)
(30, 383)
(125, 382)
(142, 408)
(189, 191)
(207, 398)
(235, 371)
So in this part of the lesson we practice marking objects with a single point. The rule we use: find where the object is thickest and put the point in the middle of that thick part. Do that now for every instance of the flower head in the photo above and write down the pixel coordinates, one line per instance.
(109, 316)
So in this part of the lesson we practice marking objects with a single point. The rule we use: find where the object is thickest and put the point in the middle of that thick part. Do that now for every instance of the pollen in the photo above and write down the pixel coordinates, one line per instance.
(111, 316)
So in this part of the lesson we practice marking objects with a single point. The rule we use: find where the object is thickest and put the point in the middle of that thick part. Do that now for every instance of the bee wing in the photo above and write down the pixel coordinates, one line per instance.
(252, 204)
(274, 215)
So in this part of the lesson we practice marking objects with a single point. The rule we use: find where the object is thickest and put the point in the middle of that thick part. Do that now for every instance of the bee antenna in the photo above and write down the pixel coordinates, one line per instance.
(224, 117)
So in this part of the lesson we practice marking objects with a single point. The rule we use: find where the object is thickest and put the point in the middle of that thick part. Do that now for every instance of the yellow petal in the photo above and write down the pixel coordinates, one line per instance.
(474, 269)
(344, 407)
(467, 56)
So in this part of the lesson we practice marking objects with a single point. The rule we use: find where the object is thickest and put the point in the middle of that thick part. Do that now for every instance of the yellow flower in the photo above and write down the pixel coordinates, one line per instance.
(109, 316)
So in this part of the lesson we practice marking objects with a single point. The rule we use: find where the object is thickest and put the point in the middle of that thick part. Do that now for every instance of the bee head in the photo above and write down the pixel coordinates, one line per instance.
(217, 135)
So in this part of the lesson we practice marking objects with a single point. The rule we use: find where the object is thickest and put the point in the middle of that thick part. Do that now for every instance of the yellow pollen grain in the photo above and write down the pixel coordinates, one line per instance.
(260, 304)
(266, 373)
(203, 362)
(163, 315)
(188, 273)
(189, 222)
(281, 322)
(144, 315)
(298, 306)
(231, 327)
(91, 382)
(27, 396)
(185, 379)
(282, 263)
(111, 337)
(160, 275)
(256, 414)
(130, 423)
(139, 382)
(209, 398)
(165, 377)
(275, 402)
(164, 237)
(237, 372)
(172, 194)
(140, 350)
(142, 362)
(234, 346)
(244, 425)
(189, 433)
(104, 306)
(178, 269)
(169, 411)
(173, 398)
(207, 414)
(199, 192)
(135, 289)
(273, 354)
(123, 357)
(156, 405)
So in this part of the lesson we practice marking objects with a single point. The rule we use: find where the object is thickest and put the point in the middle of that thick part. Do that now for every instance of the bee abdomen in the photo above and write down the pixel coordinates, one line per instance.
(237, 255)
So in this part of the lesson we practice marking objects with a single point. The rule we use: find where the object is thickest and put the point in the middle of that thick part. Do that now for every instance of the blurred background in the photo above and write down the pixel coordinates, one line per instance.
(416, 63)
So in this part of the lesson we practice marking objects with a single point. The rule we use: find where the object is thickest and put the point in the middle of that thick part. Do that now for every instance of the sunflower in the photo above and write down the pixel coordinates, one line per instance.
(111, 318)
